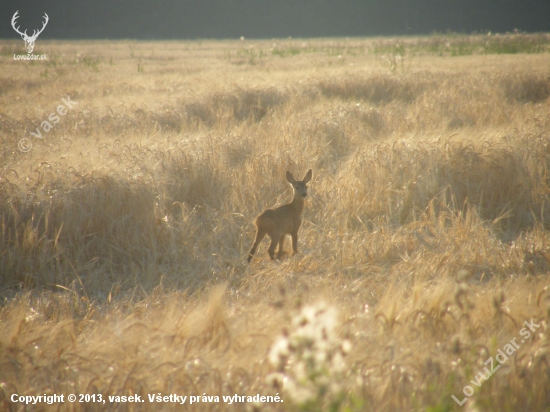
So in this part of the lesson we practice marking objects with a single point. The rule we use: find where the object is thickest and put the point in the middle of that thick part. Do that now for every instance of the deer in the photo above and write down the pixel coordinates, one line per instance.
(29, 40)
(283, 220)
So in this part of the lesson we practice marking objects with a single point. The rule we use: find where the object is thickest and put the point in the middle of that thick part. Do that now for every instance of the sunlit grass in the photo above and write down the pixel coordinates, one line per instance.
(124, 231)
(463, 45)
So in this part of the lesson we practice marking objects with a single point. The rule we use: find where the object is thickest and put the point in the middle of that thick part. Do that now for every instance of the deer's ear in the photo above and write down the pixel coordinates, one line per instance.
(308, 176)
(290, 178)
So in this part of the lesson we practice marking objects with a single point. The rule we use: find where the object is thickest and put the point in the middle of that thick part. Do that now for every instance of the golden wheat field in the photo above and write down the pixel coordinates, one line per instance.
(127, 209)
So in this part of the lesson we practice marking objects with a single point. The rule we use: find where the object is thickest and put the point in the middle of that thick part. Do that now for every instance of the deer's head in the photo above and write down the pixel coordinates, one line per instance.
(29, 40)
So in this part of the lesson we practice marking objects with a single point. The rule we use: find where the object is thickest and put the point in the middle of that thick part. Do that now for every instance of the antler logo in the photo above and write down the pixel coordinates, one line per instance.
(29, 40)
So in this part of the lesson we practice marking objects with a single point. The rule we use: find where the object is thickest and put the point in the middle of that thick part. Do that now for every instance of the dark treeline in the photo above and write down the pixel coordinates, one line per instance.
(191, 19)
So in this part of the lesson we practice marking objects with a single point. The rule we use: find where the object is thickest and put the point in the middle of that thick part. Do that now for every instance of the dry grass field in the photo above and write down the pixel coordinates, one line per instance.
(424, 248)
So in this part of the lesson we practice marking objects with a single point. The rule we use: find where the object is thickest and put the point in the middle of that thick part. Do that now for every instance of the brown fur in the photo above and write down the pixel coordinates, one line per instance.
(283, 220)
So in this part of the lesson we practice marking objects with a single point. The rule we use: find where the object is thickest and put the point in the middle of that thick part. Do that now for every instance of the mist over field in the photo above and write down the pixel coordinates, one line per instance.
(131, 174)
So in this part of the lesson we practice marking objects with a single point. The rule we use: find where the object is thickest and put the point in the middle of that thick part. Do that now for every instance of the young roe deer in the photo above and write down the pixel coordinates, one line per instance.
(283, 220)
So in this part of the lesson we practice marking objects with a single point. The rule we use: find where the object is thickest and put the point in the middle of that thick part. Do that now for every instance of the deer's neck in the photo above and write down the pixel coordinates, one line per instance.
(298, 203)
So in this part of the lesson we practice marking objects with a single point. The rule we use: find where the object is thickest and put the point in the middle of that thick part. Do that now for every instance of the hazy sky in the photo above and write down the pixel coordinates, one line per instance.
(191, 19)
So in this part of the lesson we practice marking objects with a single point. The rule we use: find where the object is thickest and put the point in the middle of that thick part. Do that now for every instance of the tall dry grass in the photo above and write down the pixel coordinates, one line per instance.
(125, 230)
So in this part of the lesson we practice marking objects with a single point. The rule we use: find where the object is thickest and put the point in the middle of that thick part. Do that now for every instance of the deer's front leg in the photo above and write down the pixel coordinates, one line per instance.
(281, 251)
(295, 242)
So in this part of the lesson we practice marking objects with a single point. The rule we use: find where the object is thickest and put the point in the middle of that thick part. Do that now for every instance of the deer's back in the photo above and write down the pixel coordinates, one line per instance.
(283, 219)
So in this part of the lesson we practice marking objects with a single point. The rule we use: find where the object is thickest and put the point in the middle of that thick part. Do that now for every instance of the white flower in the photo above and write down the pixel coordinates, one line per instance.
(275, 380)
(279, 351)
(310, 355)
(346, 347)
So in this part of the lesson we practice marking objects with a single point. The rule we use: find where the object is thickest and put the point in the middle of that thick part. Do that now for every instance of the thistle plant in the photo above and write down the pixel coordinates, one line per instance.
(310, 359)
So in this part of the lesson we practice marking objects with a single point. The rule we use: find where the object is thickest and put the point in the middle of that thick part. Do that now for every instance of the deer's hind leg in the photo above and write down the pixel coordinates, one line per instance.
(273, 245)
(260, 234)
